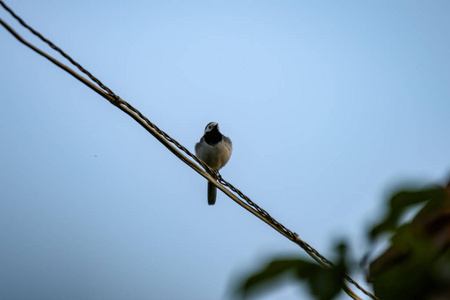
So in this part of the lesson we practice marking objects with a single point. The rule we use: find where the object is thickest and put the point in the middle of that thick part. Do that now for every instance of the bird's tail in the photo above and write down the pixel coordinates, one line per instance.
(212, 192)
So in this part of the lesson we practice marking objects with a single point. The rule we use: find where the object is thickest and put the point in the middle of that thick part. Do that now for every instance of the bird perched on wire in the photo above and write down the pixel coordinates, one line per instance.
(215, 150)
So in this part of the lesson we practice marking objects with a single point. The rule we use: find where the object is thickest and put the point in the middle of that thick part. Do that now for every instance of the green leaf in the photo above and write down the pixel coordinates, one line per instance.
(324, 283)
(402, 201)
(263, 278)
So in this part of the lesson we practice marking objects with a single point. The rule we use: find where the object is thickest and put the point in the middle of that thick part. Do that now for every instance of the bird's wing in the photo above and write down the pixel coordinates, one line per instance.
(197, 146)
(228, 141)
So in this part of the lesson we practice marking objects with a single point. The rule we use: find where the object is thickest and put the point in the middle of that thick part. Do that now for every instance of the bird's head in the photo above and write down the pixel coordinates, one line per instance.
(211, 126)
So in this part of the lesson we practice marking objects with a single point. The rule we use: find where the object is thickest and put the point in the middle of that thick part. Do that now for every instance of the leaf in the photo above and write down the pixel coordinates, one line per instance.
(324, 283)
(266, 276)
(400, 202)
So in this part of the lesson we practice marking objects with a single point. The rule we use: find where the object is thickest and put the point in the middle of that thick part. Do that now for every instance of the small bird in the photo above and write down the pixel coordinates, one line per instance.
(215, 150)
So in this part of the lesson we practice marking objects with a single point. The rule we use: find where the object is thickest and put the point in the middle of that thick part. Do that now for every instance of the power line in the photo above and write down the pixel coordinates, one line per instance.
(170, 143)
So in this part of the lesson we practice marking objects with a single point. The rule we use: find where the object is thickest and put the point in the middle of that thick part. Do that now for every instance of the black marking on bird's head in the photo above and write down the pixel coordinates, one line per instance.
(212, 134)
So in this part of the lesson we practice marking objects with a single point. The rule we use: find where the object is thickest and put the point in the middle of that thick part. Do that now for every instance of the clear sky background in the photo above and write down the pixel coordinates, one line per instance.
(330, 105)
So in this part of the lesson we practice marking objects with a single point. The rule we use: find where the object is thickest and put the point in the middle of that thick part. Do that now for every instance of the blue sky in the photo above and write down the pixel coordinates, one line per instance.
(330, 105)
